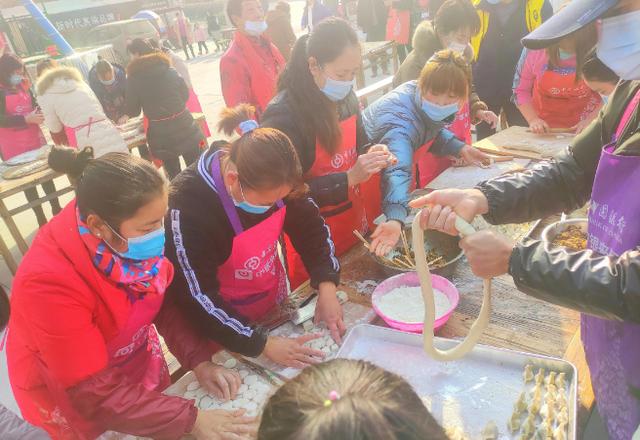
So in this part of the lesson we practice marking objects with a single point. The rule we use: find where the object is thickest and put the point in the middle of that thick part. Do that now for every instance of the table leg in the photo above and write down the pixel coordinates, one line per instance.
(13, 228)
(8, 258)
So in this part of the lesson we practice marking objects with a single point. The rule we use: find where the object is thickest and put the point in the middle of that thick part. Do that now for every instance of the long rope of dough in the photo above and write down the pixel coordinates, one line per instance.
(424, 276)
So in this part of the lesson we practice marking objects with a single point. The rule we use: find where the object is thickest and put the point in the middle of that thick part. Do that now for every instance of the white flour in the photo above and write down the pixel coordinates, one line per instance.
(405, 304)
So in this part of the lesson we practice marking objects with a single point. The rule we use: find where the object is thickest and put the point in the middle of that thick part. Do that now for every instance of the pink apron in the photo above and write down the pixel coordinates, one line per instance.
(71, 131)
(252, 279)
(428, 166)
(135, 350)
(612, 347)
(18, 140)
(193, 105)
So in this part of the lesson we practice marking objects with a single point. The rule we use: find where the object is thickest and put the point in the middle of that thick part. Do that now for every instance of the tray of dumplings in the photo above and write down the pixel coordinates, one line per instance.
(252, 394)
(489, 394)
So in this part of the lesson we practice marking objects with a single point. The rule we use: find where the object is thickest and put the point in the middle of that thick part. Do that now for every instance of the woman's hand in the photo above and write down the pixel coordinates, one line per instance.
(440, 208)
(385, 237)
(292, 352)
(367, 165)
(538, 126)
(488, 253)
(391, 158)
(217, 380)
(329, 311)
(34, 118)
(224, 425)
(473, 156)
(487, 116)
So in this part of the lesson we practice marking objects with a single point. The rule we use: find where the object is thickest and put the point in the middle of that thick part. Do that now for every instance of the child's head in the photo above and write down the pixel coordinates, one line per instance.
(347, 399)
(444, 84)
(598, 76)
(264, 167)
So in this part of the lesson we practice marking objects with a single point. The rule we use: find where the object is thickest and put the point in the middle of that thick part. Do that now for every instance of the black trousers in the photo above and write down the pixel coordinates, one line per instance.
(185, 45)
(172, 164)
(202, 44)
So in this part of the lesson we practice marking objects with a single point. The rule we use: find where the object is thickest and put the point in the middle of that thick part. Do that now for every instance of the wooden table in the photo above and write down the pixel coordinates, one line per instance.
(11, 187)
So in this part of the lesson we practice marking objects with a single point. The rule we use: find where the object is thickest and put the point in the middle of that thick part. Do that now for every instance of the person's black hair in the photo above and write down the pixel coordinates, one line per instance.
(5, 309)
(325, 43)
(113, 186)
(593, 69)
(103, 66)
(455, 15)
(9, 63)
(139, 46)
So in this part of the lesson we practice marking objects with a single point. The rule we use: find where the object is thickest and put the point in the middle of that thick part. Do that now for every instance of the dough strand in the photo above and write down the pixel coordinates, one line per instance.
(461, 349)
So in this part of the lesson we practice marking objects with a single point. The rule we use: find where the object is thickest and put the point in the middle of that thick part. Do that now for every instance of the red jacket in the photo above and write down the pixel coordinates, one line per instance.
(249, 71)
(64, 312)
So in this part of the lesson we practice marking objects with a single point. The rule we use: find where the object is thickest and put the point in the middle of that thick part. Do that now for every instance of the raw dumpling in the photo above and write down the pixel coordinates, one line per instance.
(563, 416)
(534, 407)
(514, 423)
(544, 431)
(528, 373)
(561, 380)
(560, 432)
(490, 432)
(552, 389)
(455, 433)
(547, 411)
(540, 376)
(537, 393)
(529, 427)
(230, 363)
(521, 404)
(551, 378)
(193, 386)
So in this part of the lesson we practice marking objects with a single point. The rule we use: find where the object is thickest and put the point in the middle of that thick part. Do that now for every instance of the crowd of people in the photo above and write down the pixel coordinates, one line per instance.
(196, 257)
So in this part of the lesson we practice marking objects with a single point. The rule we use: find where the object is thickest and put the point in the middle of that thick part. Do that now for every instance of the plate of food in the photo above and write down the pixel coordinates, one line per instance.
(570, 234)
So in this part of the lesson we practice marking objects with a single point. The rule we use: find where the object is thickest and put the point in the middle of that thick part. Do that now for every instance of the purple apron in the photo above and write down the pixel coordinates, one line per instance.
(612, 347)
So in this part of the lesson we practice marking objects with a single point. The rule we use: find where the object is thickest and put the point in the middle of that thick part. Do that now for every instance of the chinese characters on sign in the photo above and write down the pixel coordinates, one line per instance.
(84, 22)
(611, 224)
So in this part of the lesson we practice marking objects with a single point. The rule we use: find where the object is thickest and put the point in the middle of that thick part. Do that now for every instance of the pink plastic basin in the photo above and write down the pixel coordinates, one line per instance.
(410, 279)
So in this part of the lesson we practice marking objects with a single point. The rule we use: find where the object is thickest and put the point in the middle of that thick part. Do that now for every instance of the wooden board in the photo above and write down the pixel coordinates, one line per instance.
(550, 144)
(470, 176)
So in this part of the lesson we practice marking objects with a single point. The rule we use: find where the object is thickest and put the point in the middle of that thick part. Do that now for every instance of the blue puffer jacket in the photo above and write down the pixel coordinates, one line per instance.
(397, 120)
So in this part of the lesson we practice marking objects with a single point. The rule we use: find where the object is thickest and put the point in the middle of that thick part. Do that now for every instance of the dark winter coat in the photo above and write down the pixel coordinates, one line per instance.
(157, 89)
(110, 96)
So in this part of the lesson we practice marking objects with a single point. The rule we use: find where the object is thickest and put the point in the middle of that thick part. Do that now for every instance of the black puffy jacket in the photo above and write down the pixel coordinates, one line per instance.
(605, 286)
(154, 87)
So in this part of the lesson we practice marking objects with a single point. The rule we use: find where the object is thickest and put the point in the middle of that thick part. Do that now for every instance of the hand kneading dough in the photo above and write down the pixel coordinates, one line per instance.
(424, 275)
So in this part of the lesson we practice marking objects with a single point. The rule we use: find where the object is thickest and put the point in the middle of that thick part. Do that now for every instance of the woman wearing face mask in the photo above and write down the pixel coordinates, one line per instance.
(414, 121)
(109, 81)
(157, 89)
(20, 121)
(548, 88)
(317, 108)
(250, 67)
(226, 217)
(598, 76)
(83, 354)
(603, 164)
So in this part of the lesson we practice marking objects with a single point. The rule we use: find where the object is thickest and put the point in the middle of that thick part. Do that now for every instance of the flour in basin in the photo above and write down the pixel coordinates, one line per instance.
(405, 304)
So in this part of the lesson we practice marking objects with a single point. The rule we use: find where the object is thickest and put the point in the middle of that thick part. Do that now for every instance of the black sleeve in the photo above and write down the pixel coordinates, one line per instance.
(132, 104)
(198, 245)
(182, 87)
(7, 120)
(548, 188)
(547, 10)
(332, 189)
(310, 237)
(585, 281)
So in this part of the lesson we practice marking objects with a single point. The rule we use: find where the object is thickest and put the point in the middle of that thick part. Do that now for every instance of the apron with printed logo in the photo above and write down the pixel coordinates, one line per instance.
(253, 279)
(612, 347)
(18, 140)
(356, 213)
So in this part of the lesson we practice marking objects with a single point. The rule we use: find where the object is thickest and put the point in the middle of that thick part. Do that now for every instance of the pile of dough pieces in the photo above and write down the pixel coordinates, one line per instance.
(252, 394)
(544, 409)
(324, 343)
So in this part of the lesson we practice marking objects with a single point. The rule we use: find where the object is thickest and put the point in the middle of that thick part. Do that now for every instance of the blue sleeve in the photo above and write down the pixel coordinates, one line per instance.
(446, 144)
(396, 180)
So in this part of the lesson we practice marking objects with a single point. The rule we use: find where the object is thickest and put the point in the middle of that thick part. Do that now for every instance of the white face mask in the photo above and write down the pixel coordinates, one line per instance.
(255, 28)
(459, 48)
(619, 44)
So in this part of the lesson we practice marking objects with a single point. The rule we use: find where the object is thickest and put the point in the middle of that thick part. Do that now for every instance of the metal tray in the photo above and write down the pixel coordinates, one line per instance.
(467, 393)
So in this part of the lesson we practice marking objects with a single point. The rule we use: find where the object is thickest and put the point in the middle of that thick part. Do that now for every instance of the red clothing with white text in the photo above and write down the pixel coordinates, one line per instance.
(65, 312)
(249, 71)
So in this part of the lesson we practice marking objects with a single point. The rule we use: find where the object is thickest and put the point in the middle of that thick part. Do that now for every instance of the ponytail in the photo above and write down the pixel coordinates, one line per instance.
(264, 157)
(113, 186)
(318, 114)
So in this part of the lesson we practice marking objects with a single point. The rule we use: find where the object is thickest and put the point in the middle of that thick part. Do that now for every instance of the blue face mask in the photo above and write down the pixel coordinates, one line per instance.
(16, 79)
(337, 90)
(437, 112)
(142, 248)
(255, 28)
(619, 45)
(605, 99)
(249, 207)
(564, 55)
